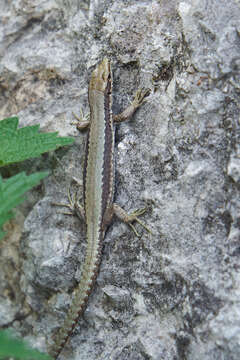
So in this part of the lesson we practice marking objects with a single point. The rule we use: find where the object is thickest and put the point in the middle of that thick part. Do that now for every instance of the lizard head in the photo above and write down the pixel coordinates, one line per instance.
(102, 76)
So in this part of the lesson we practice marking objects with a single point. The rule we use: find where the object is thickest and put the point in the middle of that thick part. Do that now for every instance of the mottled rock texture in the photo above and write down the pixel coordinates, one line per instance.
(176, 293)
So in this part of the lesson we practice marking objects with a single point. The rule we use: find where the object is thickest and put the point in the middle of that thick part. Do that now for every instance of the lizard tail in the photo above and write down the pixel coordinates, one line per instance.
(78, 306)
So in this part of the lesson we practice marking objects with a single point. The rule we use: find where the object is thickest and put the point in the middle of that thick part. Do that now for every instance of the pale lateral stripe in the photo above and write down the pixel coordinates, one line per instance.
(93, 211)
(93, 202)
(94, 173)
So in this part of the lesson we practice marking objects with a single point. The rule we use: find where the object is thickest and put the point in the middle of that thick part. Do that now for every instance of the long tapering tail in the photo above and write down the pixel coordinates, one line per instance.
(80, 298)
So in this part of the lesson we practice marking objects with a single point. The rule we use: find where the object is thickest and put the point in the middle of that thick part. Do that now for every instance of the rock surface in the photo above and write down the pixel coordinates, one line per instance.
(176, 293)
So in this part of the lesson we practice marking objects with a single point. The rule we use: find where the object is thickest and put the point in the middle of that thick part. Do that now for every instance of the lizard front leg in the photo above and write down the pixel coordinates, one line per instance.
(138, 100)
(83, 121)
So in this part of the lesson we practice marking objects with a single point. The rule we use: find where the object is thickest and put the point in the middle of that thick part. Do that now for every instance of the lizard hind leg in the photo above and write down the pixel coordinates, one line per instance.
(73, 205)
(130, 218)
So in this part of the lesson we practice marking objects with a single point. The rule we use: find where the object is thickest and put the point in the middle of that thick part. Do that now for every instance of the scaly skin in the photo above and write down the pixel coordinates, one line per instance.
(98, 189)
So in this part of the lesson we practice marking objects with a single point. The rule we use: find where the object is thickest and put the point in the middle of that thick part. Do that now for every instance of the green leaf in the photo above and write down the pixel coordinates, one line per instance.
(11, 191)
(10, 346)
(21, 144)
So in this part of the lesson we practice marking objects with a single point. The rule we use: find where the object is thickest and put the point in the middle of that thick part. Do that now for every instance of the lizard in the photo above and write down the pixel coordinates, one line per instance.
(98, 189)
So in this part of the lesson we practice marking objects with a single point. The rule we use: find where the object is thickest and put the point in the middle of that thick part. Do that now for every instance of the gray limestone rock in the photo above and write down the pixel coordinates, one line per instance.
(173, 294)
